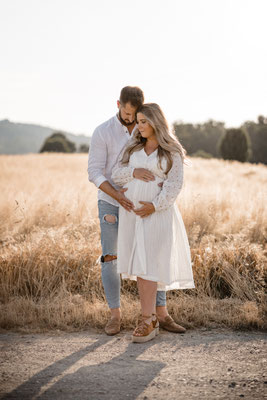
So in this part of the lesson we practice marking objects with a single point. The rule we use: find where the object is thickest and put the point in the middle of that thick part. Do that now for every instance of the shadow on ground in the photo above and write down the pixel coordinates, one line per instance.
(121, 377)
(113, 368)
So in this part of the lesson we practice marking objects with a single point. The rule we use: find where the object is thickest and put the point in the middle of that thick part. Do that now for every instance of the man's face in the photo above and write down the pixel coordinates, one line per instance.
(127, 113)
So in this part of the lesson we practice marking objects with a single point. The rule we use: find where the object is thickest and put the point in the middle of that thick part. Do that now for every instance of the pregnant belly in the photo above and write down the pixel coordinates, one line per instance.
(142, 191)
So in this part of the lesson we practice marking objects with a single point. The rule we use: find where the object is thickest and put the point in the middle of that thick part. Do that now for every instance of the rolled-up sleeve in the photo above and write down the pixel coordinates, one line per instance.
(97, 159)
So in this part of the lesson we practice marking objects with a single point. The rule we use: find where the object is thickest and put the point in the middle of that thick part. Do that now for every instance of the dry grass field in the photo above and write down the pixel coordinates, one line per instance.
(49, 246)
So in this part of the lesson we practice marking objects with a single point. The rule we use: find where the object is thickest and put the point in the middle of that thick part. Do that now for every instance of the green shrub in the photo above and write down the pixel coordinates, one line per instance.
(235, 145)
(58, 143)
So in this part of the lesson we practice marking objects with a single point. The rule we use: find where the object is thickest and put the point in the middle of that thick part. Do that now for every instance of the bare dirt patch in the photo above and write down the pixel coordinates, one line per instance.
(200, 364)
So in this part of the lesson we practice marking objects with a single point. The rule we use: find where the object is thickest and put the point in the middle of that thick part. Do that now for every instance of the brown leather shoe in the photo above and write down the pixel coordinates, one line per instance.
(113, 326)
(169, 325)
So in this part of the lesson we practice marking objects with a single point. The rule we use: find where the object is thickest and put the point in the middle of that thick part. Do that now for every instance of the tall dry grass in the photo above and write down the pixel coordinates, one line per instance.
(49, 246)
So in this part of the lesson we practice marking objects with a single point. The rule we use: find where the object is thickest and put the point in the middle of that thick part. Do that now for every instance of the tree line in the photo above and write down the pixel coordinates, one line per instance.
(212, 139)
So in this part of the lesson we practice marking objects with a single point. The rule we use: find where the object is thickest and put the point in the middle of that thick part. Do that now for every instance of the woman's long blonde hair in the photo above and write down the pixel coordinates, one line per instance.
(168, 143)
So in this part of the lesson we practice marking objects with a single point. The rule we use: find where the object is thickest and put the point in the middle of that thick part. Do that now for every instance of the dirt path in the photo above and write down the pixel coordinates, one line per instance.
(202, 364)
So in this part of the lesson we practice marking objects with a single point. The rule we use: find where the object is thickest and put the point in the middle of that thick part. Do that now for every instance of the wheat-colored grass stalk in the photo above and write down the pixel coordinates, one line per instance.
(49, 246)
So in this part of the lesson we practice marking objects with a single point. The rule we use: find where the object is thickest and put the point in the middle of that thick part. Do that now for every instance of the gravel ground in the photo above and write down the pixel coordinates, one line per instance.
(200, 364)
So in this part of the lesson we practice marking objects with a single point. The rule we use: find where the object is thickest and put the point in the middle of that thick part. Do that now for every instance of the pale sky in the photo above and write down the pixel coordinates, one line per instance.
(64, 62)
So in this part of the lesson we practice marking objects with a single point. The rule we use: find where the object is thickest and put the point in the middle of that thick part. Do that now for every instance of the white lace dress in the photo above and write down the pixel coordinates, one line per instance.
(155, 247)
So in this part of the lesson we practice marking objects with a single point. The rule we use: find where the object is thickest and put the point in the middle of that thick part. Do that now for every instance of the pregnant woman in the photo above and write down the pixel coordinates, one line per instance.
(152, 242)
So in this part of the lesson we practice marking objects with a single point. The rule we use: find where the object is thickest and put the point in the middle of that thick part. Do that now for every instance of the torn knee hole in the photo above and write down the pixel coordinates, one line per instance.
(111, 219)
(109, 257)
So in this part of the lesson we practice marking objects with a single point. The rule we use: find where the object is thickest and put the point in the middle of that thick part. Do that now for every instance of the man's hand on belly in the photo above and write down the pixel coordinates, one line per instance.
(147, 209)
(122, 199)
(143, 174)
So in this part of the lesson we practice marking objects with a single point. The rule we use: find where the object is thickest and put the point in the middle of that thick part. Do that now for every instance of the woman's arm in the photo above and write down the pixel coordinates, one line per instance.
(172, 185)
(122, 174)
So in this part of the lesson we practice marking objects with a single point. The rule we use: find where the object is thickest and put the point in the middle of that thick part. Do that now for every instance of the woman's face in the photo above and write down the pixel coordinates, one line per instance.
(144, 127)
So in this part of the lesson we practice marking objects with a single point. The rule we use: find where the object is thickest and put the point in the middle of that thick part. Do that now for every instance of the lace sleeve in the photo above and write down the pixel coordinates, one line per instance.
(172, 185)
(122, 174)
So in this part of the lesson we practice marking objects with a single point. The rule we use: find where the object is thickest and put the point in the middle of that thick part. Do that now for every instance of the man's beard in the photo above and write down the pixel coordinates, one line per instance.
(124, 122)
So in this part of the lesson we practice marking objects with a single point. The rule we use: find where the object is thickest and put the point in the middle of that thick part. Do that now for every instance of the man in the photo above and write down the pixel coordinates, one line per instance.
(107, 143)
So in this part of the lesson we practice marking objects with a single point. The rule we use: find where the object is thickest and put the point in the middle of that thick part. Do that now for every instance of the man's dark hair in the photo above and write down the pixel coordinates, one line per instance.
(133, 95)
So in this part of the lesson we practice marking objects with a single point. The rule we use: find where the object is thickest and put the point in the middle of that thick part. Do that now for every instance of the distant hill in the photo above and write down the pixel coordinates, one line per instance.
(18, 138)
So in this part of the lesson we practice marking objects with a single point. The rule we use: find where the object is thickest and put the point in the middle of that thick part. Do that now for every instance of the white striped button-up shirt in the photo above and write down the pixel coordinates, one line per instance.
(107, 142)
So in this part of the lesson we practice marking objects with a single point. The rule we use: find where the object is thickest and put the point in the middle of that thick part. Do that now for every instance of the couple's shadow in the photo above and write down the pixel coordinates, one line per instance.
(122, 377)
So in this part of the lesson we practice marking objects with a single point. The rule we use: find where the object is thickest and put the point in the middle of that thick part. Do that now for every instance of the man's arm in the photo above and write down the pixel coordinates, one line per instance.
(117, 195)
(96, 165)
(97, 159)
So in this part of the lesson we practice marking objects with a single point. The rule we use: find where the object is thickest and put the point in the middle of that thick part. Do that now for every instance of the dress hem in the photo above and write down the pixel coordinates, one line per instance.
(181, 284)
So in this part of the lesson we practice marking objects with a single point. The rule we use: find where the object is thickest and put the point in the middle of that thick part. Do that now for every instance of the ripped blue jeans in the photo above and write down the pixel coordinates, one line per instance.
(109, 237)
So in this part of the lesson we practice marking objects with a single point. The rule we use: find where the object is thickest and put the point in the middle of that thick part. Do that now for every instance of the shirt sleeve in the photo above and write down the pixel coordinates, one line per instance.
(97, 159)
(122, 174)
(172, 185)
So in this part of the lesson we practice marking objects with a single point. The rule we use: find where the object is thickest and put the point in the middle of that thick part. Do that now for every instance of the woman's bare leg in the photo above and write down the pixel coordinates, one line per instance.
(148, 327)
(147, 292)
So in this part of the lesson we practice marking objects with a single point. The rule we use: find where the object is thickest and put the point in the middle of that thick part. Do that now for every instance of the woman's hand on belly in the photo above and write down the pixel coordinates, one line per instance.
(146, 210)
(143, 174)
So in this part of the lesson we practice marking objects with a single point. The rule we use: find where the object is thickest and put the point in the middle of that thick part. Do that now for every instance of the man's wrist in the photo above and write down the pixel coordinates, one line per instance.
(107, 188)
(116, 195)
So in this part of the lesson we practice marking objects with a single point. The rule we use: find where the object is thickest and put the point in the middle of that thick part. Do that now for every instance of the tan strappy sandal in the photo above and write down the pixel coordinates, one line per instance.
(155, 323)
(144, 331)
